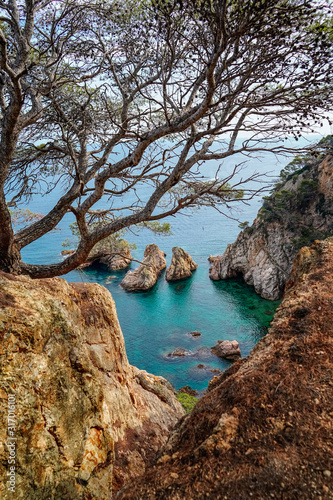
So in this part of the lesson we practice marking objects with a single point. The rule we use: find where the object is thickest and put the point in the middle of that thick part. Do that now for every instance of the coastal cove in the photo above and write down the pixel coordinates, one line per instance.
(156, 322)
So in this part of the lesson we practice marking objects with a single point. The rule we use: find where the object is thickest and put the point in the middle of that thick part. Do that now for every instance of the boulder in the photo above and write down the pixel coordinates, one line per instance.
(227, 349)
(84, 420)
(146, 276)
(181, 266)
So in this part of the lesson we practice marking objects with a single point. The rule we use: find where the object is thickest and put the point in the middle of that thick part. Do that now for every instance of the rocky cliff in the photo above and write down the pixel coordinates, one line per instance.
(77, 421)
(265, 427)
(299, 210)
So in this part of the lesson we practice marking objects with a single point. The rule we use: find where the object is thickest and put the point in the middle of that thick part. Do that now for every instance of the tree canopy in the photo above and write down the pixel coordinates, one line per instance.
(109, 97)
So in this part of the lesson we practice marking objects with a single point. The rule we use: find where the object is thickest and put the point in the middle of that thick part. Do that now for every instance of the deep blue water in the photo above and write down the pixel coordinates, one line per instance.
(154, 323)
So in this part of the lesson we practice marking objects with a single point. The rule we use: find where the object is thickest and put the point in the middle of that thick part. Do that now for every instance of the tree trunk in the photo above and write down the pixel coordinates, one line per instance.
(10, 261)
(10, 256)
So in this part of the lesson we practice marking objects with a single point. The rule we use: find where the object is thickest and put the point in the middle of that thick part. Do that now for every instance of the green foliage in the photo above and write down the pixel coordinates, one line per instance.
(308, 235)
(267, 214)
(22, 217)
(243, 225)
(306, 191)
(188, 402)
(116, 243)
(160, 228)
(294, 167)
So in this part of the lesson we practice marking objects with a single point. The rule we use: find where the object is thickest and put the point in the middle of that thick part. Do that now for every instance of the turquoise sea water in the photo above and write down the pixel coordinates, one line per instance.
(156, 322)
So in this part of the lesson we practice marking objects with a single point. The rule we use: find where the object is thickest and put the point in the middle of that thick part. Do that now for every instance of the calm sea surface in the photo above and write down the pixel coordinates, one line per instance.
(154, 323)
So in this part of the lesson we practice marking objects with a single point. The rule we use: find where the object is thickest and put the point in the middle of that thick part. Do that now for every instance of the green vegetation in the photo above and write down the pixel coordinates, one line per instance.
(115, 243)
(188, 402)
(289, 205)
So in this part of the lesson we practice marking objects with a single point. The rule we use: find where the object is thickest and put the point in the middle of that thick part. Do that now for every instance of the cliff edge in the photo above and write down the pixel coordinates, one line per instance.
(77, 421)
(298, 211)
(265, 427)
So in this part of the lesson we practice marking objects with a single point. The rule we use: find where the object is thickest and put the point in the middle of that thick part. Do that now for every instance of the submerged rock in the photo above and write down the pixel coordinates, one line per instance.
(298, 212)
(208, 368)
(199, 353)
(84, 418)
(146, 276)
(263, 428)
(227, 349)
(194, 334)
(181, 266)
(180, 351)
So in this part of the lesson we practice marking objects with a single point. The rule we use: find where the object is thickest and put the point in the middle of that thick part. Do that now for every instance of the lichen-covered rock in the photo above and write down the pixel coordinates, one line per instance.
(83, 421)
(181, 266)
(146, 276)
(264, 429)
(297, 214)
(227, 349)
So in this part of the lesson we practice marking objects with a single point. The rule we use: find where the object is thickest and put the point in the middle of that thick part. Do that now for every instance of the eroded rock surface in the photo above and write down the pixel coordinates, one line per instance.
(227, 349)
(181, 266)
(264, 429)
(117, 261)
(299, 212)
(85, 420)
(146, 276)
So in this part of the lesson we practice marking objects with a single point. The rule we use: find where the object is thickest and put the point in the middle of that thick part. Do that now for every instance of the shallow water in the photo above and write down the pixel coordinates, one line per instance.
(154, 323)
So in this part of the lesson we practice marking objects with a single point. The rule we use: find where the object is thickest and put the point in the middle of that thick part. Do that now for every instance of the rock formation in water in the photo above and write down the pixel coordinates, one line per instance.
(146, 276)
(82, 420)
(298, 212)
(116, 257)
(264, 429)
(181, 266)
(116, 261)
(227, 349)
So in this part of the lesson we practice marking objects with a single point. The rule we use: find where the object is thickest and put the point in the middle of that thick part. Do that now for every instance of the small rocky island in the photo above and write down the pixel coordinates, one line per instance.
(299, 211)
(115, 257)
(181, 266)
(151, 267)
(146, 276)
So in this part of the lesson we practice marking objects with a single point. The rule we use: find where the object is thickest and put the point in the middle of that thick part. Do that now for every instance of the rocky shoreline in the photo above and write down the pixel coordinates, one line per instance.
(298, 212)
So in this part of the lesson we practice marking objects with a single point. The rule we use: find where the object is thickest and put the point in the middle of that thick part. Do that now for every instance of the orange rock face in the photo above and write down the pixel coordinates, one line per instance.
(84, 420)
